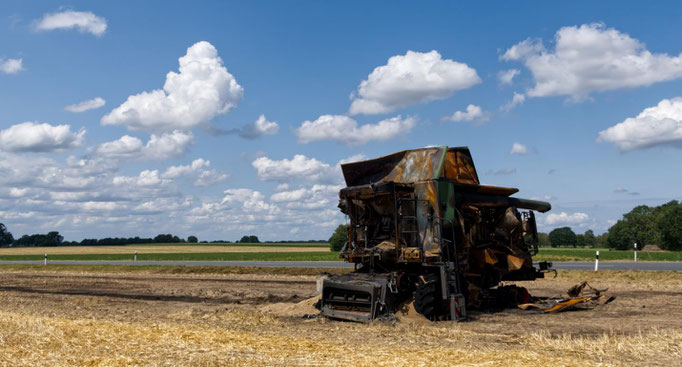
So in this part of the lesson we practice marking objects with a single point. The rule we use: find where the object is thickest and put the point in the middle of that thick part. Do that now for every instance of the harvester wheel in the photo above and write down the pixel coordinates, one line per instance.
(427, 297)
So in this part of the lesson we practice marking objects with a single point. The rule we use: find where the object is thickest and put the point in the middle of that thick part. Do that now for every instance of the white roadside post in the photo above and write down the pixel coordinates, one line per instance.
(135, 258)
(635, 251)
(596, 262)
(46, 259)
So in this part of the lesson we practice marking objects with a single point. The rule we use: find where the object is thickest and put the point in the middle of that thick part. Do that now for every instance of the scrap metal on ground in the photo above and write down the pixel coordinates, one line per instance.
(581, 296)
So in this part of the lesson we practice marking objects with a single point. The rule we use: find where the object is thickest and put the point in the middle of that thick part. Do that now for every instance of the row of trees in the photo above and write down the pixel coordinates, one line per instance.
(565, 236)
(659, 225)
(644, 225)
(55, 239)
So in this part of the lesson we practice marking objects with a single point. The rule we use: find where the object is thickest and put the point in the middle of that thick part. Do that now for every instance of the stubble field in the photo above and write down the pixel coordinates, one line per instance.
(90, 317)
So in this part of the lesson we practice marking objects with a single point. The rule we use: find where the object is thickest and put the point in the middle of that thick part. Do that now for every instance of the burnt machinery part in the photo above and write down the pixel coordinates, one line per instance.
(422, 227)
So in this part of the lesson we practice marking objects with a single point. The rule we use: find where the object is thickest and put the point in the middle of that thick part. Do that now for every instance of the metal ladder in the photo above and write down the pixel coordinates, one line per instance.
(450, 283)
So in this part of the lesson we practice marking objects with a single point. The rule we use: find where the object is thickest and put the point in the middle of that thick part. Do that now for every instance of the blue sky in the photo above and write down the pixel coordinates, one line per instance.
(595, 130)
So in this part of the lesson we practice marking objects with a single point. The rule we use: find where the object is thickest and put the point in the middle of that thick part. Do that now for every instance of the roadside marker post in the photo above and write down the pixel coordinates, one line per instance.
(135, 258)
(46, 259)
(596, 262)
(635, 251)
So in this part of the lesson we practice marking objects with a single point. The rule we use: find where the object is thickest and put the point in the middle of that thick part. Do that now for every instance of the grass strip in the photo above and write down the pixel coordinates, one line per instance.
(588, 254)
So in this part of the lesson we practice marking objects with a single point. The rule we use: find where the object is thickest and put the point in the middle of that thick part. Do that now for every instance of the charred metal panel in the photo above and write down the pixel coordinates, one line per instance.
(406, 166)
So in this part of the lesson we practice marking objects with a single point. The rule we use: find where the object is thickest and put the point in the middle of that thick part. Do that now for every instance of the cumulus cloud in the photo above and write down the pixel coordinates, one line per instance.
(345, 129)
(159, 147)
(36, 137)
(200, 91)
(308, 198)
(506, 77)
(145, 178)
(518, 149)
(518, 99)
(90, 104)
(168, 145)
(11, 66)
(592, 58)
(563, 218)
(408, 79)
(299, 166)
(88, 197)
(250, 200)
(658, 125)
(473, 113)
(259, 128)
(178, 171)
(197, 170)
(125, 147)
(84, 21)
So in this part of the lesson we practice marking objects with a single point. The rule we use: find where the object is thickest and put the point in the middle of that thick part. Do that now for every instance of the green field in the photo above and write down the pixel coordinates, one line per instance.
(242, 256)
(605, 254)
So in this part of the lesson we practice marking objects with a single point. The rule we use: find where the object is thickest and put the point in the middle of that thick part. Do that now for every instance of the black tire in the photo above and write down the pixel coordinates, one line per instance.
(427, 297)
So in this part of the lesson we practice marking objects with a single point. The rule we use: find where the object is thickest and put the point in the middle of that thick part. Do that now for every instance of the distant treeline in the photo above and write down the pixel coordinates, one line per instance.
(659, 225)
(55, 239)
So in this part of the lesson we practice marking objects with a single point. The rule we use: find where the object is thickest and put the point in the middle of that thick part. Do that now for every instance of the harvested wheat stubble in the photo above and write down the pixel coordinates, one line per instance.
(170, 320)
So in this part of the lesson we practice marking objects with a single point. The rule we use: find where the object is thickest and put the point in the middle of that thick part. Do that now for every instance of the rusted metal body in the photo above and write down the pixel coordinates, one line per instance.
(422, 226)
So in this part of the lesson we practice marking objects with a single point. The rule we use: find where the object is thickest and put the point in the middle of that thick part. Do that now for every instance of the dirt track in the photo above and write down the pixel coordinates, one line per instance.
(272, 305)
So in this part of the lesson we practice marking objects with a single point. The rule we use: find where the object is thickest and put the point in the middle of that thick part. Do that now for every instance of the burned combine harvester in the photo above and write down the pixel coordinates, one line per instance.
(422, 227)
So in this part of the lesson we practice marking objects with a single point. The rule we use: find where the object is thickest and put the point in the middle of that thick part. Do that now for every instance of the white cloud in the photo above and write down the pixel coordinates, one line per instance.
(518, 99)
(36, 137)
(168, 145)
(506, 77)
(124, 147)
(282, 187)
(289, 196)
(592, 58)
(159, 147)
(473, 113)
(250, 200)
(562, 218)
(658, 125)
(259, 128)
(178, 171)
(308, 198)
(90, 104)
(518, 148)
(84, 21)
(145, 178)
(11, 66)
(200, 91)
(346, 130)
(210, 177)
(198, 170)
(16, 192)
(412, 78)
(298, 167)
